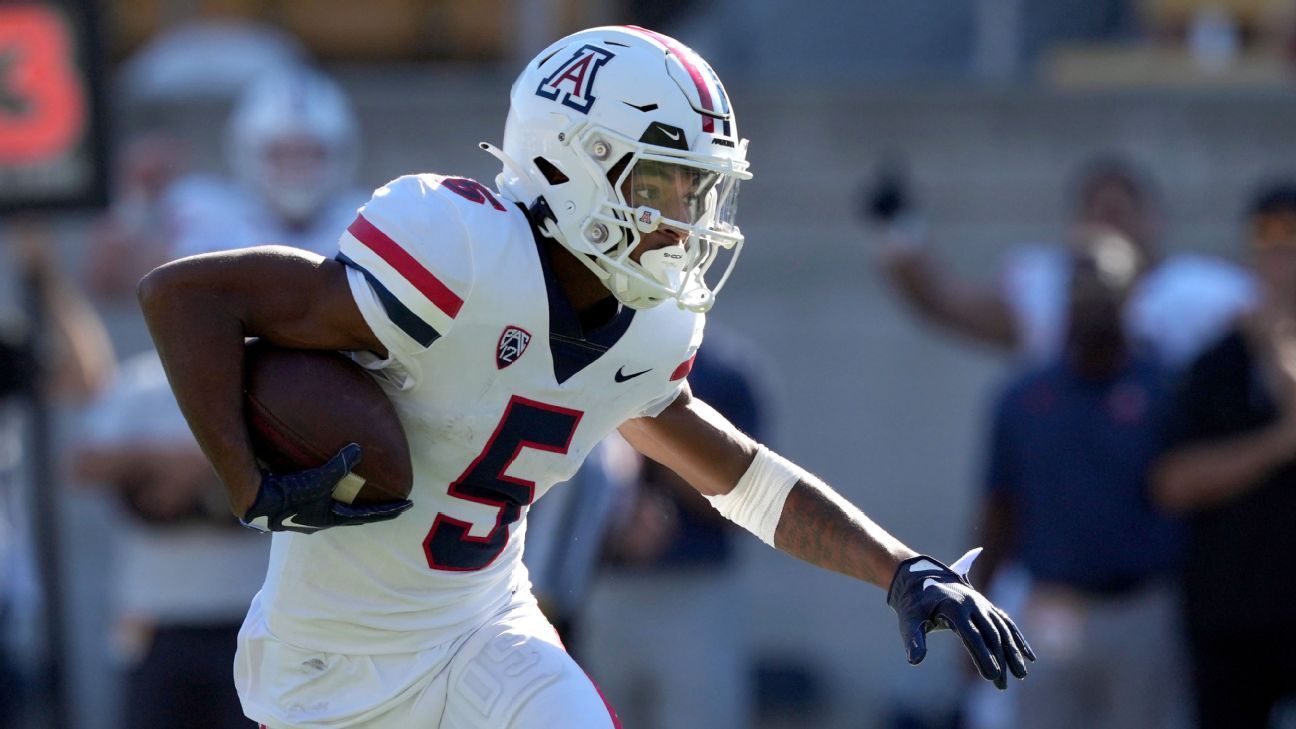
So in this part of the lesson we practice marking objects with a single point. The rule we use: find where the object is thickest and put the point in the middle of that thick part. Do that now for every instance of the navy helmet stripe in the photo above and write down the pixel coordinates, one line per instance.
(400, 315)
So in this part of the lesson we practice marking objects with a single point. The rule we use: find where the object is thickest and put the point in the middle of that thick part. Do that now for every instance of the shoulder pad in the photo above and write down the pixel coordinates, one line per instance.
(411, 244)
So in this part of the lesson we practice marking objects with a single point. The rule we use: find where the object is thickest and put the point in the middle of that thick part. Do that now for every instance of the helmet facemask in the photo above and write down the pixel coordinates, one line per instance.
(646, 188)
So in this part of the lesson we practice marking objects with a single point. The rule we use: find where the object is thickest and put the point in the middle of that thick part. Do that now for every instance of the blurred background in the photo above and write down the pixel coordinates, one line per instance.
(906, 155)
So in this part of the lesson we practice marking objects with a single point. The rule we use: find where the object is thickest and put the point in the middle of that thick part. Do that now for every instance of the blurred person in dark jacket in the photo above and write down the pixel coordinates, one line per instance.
(1231, 470)
(1073, 443)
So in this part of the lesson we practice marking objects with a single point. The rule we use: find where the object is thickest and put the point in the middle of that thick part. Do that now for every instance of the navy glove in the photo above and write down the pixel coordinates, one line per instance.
(303, 501)
(929, 596)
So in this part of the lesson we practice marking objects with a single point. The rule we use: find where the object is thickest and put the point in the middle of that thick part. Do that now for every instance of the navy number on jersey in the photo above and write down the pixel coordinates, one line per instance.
(526, 424)
(472, 190)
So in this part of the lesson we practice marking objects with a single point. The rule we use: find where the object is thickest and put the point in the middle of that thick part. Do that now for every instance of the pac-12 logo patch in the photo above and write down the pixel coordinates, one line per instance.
(574, 79)
(512, 343)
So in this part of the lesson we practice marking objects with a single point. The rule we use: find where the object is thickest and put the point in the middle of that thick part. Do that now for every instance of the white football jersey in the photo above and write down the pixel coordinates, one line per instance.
(501, 396)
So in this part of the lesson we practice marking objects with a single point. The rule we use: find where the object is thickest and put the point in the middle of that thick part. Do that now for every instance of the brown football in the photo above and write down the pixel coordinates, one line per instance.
(302, 406)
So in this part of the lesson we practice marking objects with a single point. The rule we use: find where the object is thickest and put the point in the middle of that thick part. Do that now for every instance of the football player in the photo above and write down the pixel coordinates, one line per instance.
(292, 144)
(513, 329)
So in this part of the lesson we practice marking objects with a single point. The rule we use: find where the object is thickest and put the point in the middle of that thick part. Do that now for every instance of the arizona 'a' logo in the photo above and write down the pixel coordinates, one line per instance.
(512, 343)
(571, 83)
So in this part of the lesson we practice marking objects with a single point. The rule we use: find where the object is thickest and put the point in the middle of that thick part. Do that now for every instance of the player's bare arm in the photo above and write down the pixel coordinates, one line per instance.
(200, 310)
(974, 309)
(971, 308)
(817, 525)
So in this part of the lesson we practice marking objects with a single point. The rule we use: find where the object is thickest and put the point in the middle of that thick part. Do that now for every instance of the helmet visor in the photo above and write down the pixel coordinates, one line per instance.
(685, 195)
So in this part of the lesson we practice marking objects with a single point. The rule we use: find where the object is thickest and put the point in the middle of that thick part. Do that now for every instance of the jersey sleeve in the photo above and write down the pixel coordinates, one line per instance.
(409, 264)
(679, 375)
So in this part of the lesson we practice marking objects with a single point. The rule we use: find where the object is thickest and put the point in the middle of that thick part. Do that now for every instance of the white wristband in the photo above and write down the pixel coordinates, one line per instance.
(756, 503)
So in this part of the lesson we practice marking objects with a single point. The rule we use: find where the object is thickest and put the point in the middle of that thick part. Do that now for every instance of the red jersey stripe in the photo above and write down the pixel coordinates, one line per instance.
(616, 720)
(429, 285)
(684, 368)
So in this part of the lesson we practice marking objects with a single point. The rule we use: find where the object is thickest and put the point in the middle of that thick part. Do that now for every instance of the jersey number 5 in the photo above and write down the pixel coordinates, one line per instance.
(526, 424)
(472, 190)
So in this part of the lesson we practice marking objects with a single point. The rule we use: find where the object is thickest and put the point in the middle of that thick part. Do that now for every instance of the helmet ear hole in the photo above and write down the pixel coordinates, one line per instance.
(551, 173)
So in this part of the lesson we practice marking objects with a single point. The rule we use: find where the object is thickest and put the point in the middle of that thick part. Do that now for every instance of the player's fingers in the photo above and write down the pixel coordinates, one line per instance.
(976, 647)
(994, 642)
(915, 640)
(346, 460)
(352, 514)
(1017, 636)
(1011, 651)
(328, 475)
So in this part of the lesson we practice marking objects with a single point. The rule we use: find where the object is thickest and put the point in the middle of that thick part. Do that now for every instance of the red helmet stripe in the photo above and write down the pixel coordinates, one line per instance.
(685, 57)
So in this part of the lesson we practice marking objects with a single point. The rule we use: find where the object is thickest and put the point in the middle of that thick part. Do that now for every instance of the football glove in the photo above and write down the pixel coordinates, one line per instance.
(303, 501)
(927, 595)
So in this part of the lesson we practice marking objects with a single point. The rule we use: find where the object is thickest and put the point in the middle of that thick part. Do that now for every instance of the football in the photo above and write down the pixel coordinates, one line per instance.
(302, 406)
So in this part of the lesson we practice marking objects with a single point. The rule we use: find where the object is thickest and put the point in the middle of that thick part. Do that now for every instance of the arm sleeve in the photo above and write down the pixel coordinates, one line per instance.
(409, 262)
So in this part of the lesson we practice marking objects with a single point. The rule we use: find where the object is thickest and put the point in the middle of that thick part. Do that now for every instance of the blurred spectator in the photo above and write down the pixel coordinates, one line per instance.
(139, 229)
(1180, 301)
(1073, 441)
(663, 633)
(293, 146)
(1231, 469)
(186, 571)
(70, 361)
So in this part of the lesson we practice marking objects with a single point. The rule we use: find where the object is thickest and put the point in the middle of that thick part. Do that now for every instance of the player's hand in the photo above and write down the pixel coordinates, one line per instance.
(898, 233)
(885, 199)
(929, 596)
(303, 501)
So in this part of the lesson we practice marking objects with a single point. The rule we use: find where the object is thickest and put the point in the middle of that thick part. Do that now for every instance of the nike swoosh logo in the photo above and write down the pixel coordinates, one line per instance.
(674, 137)
(929, 582)
(291, 521)
(622, 377)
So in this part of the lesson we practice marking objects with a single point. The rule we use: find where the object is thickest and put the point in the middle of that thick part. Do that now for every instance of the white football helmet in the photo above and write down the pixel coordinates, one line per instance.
(293, 140)
(615, 132)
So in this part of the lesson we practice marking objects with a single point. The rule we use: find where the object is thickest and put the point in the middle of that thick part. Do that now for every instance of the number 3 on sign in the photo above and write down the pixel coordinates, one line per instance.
(42, 110)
